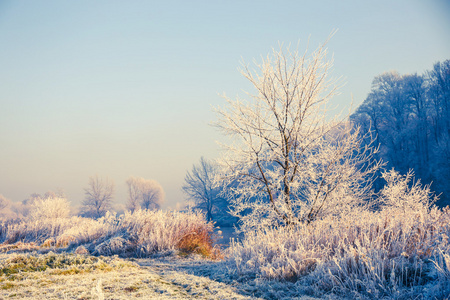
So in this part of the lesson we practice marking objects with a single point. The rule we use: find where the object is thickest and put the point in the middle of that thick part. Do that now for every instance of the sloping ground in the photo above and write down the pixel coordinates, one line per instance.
(196, 275)
(64, 276)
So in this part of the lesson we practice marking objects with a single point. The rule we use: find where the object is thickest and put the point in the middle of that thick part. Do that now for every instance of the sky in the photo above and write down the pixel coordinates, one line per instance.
(127, 88)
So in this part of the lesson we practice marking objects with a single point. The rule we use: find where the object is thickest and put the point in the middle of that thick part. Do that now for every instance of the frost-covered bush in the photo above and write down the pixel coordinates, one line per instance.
(362, 254)
(49, 208)
(144, 232)
(401, 195)
(47, 218)
(139, 233)
(38, 231)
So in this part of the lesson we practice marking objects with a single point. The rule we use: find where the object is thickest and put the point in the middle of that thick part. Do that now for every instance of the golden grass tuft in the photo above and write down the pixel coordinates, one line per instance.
(64, 241)
(199, 240)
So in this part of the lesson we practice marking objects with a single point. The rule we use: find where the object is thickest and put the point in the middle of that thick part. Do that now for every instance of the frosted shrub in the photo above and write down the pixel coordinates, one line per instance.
(144, 232)
(399, 194)
(141, 233)
(38, 231)
(50, 208)
(47, 218)
(86, 230)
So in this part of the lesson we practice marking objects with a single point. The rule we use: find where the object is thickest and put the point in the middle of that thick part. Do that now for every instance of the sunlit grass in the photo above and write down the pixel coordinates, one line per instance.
(138, 234)
(403, 246)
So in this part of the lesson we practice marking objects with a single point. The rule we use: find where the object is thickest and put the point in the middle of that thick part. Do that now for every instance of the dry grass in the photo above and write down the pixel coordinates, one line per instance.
(140, 234)
(14, 267)
(19, 247)
(199, 240)
(364, 253)
(374, 255)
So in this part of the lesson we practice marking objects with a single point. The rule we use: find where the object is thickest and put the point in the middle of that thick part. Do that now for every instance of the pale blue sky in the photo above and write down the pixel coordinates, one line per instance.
(121, 88)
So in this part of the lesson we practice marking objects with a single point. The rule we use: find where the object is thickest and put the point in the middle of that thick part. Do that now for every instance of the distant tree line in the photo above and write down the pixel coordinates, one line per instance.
(142, 194)
(99, 195)
(410, 118)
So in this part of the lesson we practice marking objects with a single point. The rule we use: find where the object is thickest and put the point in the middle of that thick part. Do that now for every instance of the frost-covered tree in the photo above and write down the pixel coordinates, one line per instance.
(287, 161)
(439, 94)
(152, 194)
(8, 208)
(439, 97)
(4, 202)
(387, 111)
(134, 193)
(144, 193)
(98, 197)
(31, 199)
(409, 115)
(199, 186)
(415, 92)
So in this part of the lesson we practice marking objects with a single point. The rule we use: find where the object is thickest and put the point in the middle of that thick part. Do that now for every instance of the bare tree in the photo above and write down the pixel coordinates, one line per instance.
(291, 164)
(58, 193)
(199, 186)
(152, 194)
(144, 193)
(31, 199)
(4, 202)
(98, 197)
(134, 193)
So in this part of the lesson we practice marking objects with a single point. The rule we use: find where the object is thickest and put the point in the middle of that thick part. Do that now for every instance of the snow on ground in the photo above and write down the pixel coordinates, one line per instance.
(169, 277)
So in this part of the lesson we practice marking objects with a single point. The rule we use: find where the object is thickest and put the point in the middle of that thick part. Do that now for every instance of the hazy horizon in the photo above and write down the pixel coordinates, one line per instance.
(121, 90)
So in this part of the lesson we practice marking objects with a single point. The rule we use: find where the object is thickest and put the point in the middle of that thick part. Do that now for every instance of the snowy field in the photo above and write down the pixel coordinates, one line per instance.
(170, 277)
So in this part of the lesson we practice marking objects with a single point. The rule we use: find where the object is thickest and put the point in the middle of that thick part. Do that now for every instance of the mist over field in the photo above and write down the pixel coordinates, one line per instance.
(137, 162)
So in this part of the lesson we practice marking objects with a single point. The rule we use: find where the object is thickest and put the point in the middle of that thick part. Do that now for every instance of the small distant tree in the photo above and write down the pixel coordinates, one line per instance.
(144, 193)
(4, 203)
(58, 193)
(7, 209)
(152, 194)
(134, 193)
(199, 186)
(98, 197)
(31, 199)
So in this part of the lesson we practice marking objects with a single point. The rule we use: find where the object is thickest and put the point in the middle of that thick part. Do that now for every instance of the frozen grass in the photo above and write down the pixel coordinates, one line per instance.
(399, 251)
(139, 234)
(14, 268)
(51, 276)
(145, 232)
(29, 275)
